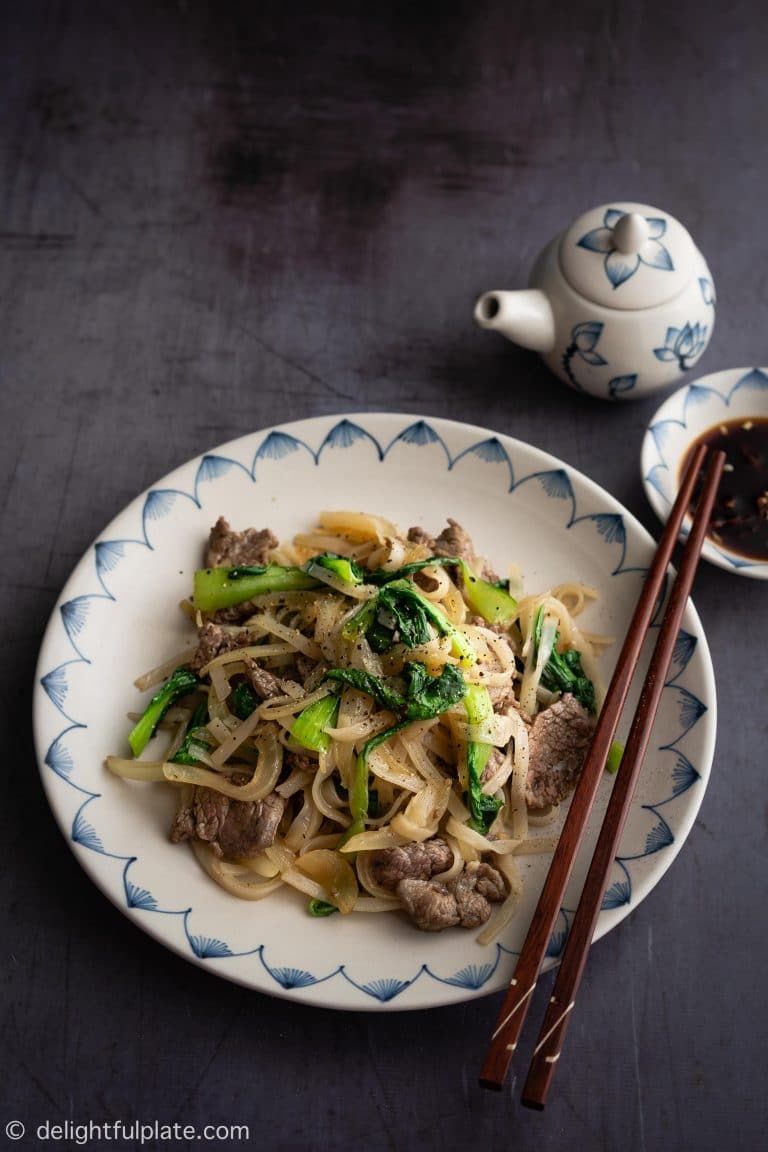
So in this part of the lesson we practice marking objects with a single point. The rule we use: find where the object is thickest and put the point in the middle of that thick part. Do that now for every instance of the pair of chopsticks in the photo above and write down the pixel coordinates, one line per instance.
(560, 1009)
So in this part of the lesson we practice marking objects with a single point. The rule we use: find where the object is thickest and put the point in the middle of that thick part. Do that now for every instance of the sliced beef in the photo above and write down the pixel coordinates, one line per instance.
(233, 828)
(452, 541)
(418, 535)
(413, 861)
(475, 889)
(557, 743)
(455, 541)
(464, 901)
(264, 683)
(211, 642)
(431, 906)
(229, 549)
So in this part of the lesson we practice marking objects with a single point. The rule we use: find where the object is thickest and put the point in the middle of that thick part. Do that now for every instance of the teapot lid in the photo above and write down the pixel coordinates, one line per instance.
(627, 256)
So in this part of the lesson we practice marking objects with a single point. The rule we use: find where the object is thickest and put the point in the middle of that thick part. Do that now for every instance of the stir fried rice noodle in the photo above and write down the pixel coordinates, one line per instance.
(371, 717)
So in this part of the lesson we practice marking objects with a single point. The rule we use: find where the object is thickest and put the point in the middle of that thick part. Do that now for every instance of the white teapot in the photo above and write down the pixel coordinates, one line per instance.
(620, 305)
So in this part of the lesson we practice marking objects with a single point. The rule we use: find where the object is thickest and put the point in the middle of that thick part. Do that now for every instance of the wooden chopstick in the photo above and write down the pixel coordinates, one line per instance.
(561, 1004)
(511, 1018)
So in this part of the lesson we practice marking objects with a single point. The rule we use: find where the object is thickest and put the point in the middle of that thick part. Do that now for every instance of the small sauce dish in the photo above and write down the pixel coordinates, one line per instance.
(729, 409)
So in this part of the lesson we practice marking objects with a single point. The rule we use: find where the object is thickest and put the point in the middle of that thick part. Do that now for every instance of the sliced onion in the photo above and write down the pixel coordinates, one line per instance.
(150, 771)
(370, 841)
(237, 880)
(335, 874)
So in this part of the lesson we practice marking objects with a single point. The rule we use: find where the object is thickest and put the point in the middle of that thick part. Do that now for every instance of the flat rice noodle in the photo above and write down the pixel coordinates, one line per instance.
(305, 824)
(420, 819)
(387, 767)
(466, 835)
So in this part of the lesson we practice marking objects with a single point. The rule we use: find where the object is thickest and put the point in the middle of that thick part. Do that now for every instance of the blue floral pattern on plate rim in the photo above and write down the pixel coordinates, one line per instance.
(419, 970)
(685, 415)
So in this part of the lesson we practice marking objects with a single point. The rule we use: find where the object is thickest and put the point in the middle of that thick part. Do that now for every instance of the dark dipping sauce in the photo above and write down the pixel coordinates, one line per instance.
(739, 521)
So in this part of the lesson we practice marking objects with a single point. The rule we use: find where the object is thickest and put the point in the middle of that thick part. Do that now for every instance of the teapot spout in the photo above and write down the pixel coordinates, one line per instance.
(524, 317)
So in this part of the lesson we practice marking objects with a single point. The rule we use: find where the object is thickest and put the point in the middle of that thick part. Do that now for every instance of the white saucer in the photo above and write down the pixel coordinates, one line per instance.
(722, 396)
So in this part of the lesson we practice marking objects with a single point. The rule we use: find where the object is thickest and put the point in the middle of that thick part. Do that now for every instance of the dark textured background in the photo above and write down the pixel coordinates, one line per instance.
(218, 217)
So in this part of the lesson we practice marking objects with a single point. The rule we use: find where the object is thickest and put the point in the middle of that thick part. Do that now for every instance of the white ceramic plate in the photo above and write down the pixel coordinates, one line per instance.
(736, 393)
(118, 616)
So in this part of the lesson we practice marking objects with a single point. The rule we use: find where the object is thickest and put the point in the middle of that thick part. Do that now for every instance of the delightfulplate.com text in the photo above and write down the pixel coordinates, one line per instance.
(133, 1132)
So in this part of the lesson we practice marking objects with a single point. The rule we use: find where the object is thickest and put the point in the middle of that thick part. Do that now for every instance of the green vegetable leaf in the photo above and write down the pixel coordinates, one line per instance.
(179, 684)
(428, 695)
(347, 570)
(242, 700)
(490, 600)
(414, 614)
(411, 619)
(385, 691)
(319, 908)
(185, 752)
(483, 808)
(216, 588)
(416, 696)
(399, 611)
(615, 754)
(308, 727)
(563, 671)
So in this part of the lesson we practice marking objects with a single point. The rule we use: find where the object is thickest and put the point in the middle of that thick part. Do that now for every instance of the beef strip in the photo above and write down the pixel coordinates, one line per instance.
(418, 535)
(465, 900)
(418, 861)
(264, 683)
(557, 747)
(431, 906)
(233, 828)
(475, 889)
(229, 549)
(211, 642)
(455, 541)
(452, 541)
